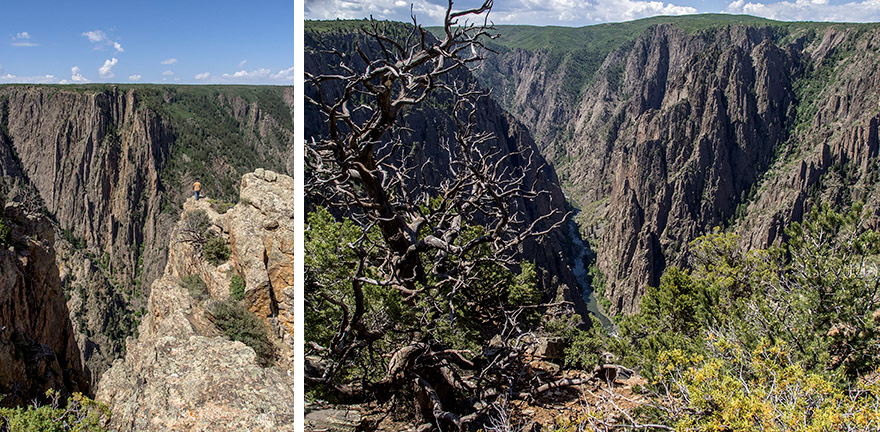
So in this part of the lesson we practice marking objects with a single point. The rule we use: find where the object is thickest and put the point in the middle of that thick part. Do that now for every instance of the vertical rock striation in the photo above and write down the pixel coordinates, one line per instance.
(680, 130)
(38, 350)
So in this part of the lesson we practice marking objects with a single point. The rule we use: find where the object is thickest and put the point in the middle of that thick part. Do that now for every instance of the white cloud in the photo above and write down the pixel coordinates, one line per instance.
(255, 76)
(168, 61)
(285, 74)
(76, 76)
(581, 12)
(425, 11)
(536, 12)
(101, 41)
(38, 79)
(258, 73)
(106, 70)
(242, 63)
(811, 10)
(23, 39)
(95, 36)
(203, 76)
(167, 73)
(135, 77)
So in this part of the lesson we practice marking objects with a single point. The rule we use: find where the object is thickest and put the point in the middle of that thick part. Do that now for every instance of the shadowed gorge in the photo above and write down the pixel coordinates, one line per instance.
(671, 126)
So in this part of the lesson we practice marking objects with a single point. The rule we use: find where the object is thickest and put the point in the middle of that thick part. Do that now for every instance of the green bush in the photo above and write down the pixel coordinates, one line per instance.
(586, 347)
(80, 415)
(5, 232)
(220, 206)
(814, 295)
(236, 287)
(525, 290)
(239, 324)
(195, 286)
(75, 242)
(216, 251)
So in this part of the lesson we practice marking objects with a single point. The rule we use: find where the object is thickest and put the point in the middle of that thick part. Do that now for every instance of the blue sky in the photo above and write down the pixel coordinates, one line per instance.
(155, 41)
(585, 12)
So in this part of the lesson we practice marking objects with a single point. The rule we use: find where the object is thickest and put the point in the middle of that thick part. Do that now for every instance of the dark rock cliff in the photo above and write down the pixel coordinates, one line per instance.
(680, 131)
(38, 350)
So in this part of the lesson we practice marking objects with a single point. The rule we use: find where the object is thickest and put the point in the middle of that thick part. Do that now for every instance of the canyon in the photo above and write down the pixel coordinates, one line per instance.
(665, 128)
(105, 170)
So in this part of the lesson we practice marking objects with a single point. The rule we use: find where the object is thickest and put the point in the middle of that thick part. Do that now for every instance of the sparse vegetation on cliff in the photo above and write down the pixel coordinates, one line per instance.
(5, 231)
(216, 250)
(236, 287)
(239, 324)
(195, 286)
(78, 414)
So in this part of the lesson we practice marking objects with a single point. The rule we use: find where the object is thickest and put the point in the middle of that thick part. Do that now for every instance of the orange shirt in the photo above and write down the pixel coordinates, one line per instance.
(197, 186)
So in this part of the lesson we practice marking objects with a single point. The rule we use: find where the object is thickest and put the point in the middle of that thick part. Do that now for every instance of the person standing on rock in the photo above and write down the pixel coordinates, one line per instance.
(197, 187)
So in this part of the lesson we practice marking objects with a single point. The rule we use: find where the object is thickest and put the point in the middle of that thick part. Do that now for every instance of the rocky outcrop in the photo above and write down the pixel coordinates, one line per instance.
(261, 232)
(113, 165)
(38, 350)
(679, 131)
(181, 373)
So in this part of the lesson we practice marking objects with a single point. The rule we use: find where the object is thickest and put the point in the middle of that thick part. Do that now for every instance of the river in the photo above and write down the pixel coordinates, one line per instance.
(580, 272)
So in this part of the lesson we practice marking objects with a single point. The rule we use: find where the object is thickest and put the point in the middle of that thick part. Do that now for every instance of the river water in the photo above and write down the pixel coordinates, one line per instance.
(580, 272)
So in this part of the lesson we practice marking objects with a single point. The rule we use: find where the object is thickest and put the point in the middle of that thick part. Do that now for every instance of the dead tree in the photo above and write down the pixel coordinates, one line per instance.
(435, 239)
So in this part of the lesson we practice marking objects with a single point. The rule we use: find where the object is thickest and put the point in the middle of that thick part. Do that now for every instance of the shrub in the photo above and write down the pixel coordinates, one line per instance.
(194, 228)
(220, 206)
(5, 232)
(195, 286)
(239, 324)
(80, 415)
(216, 251)
(75, 242)
(236, 287)
(758, 390)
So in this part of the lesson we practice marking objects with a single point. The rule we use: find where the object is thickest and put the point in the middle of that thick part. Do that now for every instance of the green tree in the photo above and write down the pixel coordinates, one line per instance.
(5, 232)
(816, 294)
